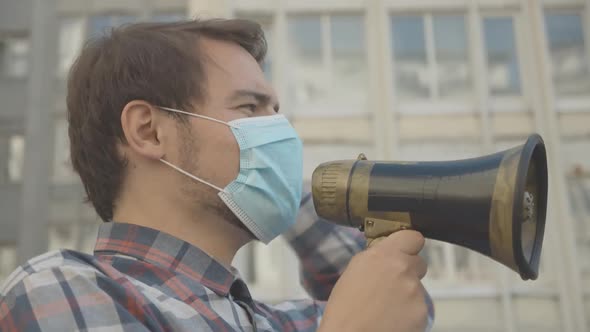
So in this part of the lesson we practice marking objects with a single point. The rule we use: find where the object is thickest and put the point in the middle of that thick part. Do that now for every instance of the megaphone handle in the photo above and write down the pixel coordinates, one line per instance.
(378, 229)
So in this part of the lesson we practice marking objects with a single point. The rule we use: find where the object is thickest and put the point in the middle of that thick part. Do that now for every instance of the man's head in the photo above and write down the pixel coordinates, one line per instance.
(118, 134)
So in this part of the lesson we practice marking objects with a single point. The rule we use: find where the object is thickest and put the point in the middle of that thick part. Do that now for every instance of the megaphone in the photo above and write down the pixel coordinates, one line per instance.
(495, 204)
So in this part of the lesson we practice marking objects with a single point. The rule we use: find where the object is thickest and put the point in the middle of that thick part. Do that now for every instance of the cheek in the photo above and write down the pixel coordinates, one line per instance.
(219, 157)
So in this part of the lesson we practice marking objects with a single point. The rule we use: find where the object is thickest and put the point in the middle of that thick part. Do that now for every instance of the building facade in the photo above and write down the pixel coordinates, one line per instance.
(394, 79)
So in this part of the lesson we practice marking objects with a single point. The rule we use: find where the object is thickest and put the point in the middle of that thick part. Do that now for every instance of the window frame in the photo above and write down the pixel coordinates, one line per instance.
(113, 16)
(83, 19)
(433, 105)
(327, 58)
(515, 102)
(167, 13)
(5, 56)
(69, 176)
(568, 104)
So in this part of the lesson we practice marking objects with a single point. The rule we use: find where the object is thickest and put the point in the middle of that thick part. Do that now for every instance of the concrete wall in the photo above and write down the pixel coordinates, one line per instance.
(15, 15)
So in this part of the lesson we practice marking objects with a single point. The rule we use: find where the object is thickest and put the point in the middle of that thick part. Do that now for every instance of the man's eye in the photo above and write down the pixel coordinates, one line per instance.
(250, 107)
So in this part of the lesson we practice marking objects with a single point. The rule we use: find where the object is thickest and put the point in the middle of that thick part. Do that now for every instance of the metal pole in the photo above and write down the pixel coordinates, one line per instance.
(33, 225)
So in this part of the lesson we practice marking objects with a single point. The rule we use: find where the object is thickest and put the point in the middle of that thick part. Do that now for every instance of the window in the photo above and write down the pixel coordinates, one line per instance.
(451, 54)
(349, 72)
(7, 260)
(14, 57)
(12, 149)
(267, 64)
(101, 24)
(502, 60)
(71, 37)
(16, 158)
(4, 159)
(412, 72)
(579, 194)
(569, 55)
(168, 17)
(63, 173)
(267, 27)
(576, 163)
(327, 74)
(309, 77)
(431, 57)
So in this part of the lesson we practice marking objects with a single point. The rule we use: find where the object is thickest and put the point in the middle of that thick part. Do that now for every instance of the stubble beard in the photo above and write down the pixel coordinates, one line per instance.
(200, 195)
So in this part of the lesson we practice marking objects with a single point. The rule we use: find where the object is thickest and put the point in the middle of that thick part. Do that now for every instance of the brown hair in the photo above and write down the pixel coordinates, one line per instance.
(157, 62)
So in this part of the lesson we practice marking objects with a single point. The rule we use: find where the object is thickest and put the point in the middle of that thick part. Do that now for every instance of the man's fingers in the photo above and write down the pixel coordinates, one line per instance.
(419, 266)
(407, 241)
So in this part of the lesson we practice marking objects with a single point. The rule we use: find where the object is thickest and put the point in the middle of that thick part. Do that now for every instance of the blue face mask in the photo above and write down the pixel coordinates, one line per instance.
(266, 194)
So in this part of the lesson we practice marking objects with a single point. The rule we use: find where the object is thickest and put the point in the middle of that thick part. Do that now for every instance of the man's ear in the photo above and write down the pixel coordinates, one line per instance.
(142, 127)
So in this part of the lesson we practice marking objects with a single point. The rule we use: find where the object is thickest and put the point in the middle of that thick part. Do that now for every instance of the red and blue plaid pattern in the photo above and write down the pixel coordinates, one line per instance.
(140, 279)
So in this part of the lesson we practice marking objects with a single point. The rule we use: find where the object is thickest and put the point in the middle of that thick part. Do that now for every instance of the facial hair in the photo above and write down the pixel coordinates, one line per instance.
(200, 195)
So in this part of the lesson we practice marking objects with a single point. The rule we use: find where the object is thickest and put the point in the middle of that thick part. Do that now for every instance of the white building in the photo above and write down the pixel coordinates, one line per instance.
(395, 79)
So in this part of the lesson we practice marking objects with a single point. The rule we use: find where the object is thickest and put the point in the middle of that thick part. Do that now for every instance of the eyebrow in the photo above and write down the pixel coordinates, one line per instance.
(260, 97)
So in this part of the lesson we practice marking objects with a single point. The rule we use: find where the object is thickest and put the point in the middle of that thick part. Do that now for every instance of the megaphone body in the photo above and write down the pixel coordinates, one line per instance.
(495, 205)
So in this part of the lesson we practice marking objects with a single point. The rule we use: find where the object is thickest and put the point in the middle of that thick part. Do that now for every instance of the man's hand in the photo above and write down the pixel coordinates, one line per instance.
(380, 290)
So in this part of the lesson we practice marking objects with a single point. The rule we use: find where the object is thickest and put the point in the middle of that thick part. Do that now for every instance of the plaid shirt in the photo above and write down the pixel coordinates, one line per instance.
(140, 279)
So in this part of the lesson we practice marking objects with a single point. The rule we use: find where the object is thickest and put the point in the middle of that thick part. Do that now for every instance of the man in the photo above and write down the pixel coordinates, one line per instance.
(175, 134)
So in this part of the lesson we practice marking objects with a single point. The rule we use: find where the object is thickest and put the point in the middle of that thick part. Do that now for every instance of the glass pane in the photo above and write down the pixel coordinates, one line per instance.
(16, 158)
(4, 157)
(348, 92)
(101, 24)
(267, 64)
(579, 191)
(452, 60)
(307, 74)
(348, 35)
(503, 70)
(412, 74)
(576, 163)
(168, 17)
(7, 261)
(70, 41)
(62, 168)
(98, 25)
(123, 19)
(569, 58)
(305, 36)
(15, 57)
(267, 27)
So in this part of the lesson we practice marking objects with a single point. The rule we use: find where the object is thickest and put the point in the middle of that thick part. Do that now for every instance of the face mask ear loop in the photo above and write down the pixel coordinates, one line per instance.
(192, 176)
(196, 115)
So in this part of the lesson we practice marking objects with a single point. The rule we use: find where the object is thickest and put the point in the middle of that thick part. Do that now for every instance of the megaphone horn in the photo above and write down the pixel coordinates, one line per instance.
(495, 204)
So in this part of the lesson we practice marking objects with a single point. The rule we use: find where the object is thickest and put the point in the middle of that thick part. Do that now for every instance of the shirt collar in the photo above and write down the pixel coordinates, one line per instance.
(164, 250)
